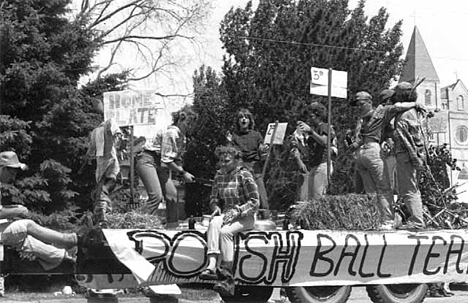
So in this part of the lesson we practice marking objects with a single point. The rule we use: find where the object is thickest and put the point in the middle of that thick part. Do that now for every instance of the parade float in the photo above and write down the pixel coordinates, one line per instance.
(311, 265)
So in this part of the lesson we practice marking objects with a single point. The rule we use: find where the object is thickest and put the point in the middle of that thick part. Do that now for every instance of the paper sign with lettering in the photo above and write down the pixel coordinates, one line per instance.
(132, 107)
(279, 134)
(292, 257)
(319, 82)
(438, 123)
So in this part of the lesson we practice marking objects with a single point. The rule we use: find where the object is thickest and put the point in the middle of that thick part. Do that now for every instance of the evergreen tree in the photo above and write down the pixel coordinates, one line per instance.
(47, 118)
(213, 121)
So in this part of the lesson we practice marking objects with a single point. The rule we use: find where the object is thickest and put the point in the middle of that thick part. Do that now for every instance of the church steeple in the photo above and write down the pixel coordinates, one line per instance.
(418, 61)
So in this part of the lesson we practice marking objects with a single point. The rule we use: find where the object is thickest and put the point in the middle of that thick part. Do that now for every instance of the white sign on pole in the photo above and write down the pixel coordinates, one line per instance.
(319, 82)
(279, 135)
(132, 107)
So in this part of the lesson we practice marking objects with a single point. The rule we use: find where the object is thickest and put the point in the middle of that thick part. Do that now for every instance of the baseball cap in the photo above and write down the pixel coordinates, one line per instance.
(403, 86)
(362, 95)
(10, 159)
(385, 95)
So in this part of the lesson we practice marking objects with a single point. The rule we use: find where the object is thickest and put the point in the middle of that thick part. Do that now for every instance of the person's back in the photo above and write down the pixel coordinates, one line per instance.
(409, 137)
(410, 155)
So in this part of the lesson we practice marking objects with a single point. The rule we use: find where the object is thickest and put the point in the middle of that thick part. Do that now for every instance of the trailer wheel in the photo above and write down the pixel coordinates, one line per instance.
(397, 293)
(259, 294)
(319, 294)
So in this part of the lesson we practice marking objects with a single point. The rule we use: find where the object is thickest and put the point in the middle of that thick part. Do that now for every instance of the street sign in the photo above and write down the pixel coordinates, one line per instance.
(319, 82)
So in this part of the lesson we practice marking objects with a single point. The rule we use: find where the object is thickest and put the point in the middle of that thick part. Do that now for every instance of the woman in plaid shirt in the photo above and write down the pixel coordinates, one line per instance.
(236, 193)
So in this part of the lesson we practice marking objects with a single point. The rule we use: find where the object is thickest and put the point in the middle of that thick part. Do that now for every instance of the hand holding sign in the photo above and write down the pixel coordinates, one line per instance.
(278, 133)
(303, 127)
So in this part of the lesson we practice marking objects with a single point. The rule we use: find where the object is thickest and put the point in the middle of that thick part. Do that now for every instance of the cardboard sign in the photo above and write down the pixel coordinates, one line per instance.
(279, 134)
(319, 83)
(438, 123)
(132, 107)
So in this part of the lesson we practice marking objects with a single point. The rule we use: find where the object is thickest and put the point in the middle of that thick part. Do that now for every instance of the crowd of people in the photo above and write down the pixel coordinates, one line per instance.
(387, 142)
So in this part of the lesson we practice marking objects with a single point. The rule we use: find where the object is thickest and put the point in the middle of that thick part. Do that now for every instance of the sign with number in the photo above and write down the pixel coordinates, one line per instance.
(319, 82)
(279, 134)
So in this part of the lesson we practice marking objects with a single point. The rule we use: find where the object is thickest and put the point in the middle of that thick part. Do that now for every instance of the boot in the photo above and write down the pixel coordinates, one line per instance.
(226, 286)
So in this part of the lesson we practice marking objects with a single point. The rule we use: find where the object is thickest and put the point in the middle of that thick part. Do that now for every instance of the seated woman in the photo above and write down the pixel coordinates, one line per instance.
(50, 247)
(234, 190)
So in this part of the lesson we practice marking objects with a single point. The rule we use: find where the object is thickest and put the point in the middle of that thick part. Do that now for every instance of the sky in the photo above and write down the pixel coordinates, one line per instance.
(442, 25)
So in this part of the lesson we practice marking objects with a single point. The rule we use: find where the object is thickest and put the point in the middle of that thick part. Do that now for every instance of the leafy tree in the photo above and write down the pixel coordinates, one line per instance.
(270, 51)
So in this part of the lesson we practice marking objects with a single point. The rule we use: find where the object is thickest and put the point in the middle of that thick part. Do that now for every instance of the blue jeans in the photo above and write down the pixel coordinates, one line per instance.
(375, 177)
(148, 167)
(29, 237)
(408, 189)
(255, 169)
(315, 183)
(170, 194)
(220, 237)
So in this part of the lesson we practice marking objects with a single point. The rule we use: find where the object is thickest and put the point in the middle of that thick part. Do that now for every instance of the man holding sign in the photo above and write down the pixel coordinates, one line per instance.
(316, 179)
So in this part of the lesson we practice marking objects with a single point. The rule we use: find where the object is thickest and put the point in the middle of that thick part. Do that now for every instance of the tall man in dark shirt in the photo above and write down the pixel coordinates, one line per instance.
(369, 161)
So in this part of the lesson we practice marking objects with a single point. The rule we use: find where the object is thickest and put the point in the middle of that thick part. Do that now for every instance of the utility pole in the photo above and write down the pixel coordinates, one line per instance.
(2, 50)
(2, 53)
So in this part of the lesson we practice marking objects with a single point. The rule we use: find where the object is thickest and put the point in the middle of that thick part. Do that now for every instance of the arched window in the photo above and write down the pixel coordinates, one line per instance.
(460, 102)
(461, 135)
(428, 96)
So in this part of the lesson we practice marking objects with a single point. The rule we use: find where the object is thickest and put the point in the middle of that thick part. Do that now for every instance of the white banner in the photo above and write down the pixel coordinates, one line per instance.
(295, 257)
(132, 107)
(319, 82)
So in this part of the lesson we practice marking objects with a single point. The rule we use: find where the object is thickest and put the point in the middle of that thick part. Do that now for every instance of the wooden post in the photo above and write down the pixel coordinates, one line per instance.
(329, 125)
(131, 173)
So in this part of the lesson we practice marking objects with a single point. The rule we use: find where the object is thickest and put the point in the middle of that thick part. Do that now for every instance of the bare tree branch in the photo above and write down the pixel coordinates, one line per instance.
(150, 38)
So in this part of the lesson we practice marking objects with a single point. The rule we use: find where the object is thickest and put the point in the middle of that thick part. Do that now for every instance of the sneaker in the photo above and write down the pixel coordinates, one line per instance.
(411, 226)
(387, 225)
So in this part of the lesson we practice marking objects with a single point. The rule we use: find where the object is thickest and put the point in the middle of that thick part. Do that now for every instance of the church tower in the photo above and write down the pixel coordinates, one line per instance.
(418, 64)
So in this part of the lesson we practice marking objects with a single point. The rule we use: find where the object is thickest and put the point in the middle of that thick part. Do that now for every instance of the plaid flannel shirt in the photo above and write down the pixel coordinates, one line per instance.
(172, 145)
(235, 189)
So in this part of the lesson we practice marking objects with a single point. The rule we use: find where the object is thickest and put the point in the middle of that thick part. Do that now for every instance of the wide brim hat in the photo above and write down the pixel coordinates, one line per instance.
(10, 159)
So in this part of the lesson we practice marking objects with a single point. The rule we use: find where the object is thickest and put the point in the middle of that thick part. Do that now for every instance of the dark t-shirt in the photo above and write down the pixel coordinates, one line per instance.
(318, 153)
(249, 144)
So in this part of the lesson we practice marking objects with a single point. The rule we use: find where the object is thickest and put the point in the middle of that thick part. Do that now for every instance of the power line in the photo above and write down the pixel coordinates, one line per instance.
(312, 44)
(333, 46)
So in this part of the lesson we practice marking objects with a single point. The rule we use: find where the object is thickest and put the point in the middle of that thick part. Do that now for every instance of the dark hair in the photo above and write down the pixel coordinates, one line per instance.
(183, 114)
(244, 111)
(319, 110)
(229, 150)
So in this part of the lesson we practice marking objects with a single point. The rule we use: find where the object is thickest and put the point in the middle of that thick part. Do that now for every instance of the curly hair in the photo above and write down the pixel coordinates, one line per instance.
(183, 114)
(228, 150)
(244, 112)
(319, 110)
